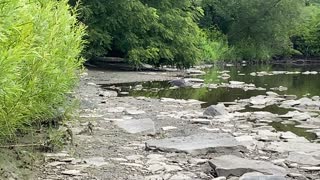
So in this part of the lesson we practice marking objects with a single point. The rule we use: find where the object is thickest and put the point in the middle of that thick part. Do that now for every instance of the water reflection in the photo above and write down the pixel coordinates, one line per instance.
(297, 84)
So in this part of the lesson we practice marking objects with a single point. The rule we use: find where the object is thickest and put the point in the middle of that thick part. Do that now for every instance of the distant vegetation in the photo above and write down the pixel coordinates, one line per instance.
(40, 44)
(186, 32)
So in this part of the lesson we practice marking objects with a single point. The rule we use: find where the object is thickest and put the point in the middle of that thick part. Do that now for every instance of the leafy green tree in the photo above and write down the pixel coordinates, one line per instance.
(145, 31)
(307, 38)
(257, 29)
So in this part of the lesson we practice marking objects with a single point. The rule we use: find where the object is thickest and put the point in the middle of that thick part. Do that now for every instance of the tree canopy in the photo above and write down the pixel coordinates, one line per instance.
(257, 29)
(144, 31)
(185, 32)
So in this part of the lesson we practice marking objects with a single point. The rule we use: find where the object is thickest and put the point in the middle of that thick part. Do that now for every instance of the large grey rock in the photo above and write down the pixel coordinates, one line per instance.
(305, 159)
(202, 143)
(230, 165)
(215, 110)
(179, 83)
(134, 126)
(260, 176)
(304, 147)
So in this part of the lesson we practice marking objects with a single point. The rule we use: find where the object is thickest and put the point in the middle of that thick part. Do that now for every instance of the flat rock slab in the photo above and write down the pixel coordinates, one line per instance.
(305, 159)
(202, 143)
(134, 126)
(303, 147)
(230, 165)
(260, 176)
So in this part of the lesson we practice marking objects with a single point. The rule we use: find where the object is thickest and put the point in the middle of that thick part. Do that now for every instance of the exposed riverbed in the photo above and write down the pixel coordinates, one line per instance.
(133, 128)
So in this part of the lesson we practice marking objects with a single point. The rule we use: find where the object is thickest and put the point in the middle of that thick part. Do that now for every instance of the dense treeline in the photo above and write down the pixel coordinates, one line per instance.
(184, 32)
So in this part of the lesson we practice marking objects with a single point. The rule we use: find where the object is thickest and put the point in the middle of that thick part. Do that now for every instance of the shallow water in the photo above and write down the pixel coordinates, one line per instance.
(297, 84)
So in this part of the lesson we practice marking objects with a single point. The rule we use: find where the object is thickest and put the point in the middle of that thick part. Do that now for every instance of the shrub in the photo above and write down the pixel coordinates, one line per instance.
(40, 44)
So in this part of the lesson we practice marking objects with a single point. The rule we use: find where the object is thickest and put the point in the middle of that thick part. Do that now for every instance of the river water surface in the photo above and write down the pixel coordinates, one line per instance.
(299, 84)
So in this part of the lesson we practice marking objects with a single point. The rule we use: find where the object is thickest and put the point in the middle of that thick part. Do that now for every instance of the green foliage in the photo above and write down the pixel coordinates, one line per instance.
(307, 38)
(145, 31)
(214, 45)
(40, 44)
(257, 29)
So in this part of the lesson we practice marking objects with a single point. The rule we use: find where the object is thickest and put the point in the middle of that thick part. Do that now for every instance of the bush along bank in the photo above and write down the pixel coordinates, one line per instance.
(40, 44)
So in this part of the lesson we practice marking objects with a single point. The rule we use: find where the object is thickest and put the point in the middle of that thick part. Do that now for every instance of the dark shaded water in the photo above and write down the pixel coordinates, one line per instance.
(297, 84)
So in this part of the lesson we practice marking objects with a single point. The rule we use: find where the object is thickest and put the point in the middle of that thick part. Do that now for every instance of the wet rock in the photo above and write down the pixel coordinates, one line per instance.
(260, 176)
(225, 76)
(291, 114)
(263, 115)
(272, 94)
(230, 165)
(316, 98)
(308, 102)
(289, 103)
(253, 74)
(237, 83)
(280, 88)
(304, 159)
(195, 72)
(202, 143)
(213, 86)
(179, 83)
(289, 97)
(215, 110)
(258, 100)
(134, 126)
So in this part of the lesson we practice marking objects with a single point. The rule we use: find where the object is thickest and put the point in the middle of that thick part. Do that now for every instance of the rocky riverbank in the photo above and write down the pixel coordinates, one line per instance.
(154, 139)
